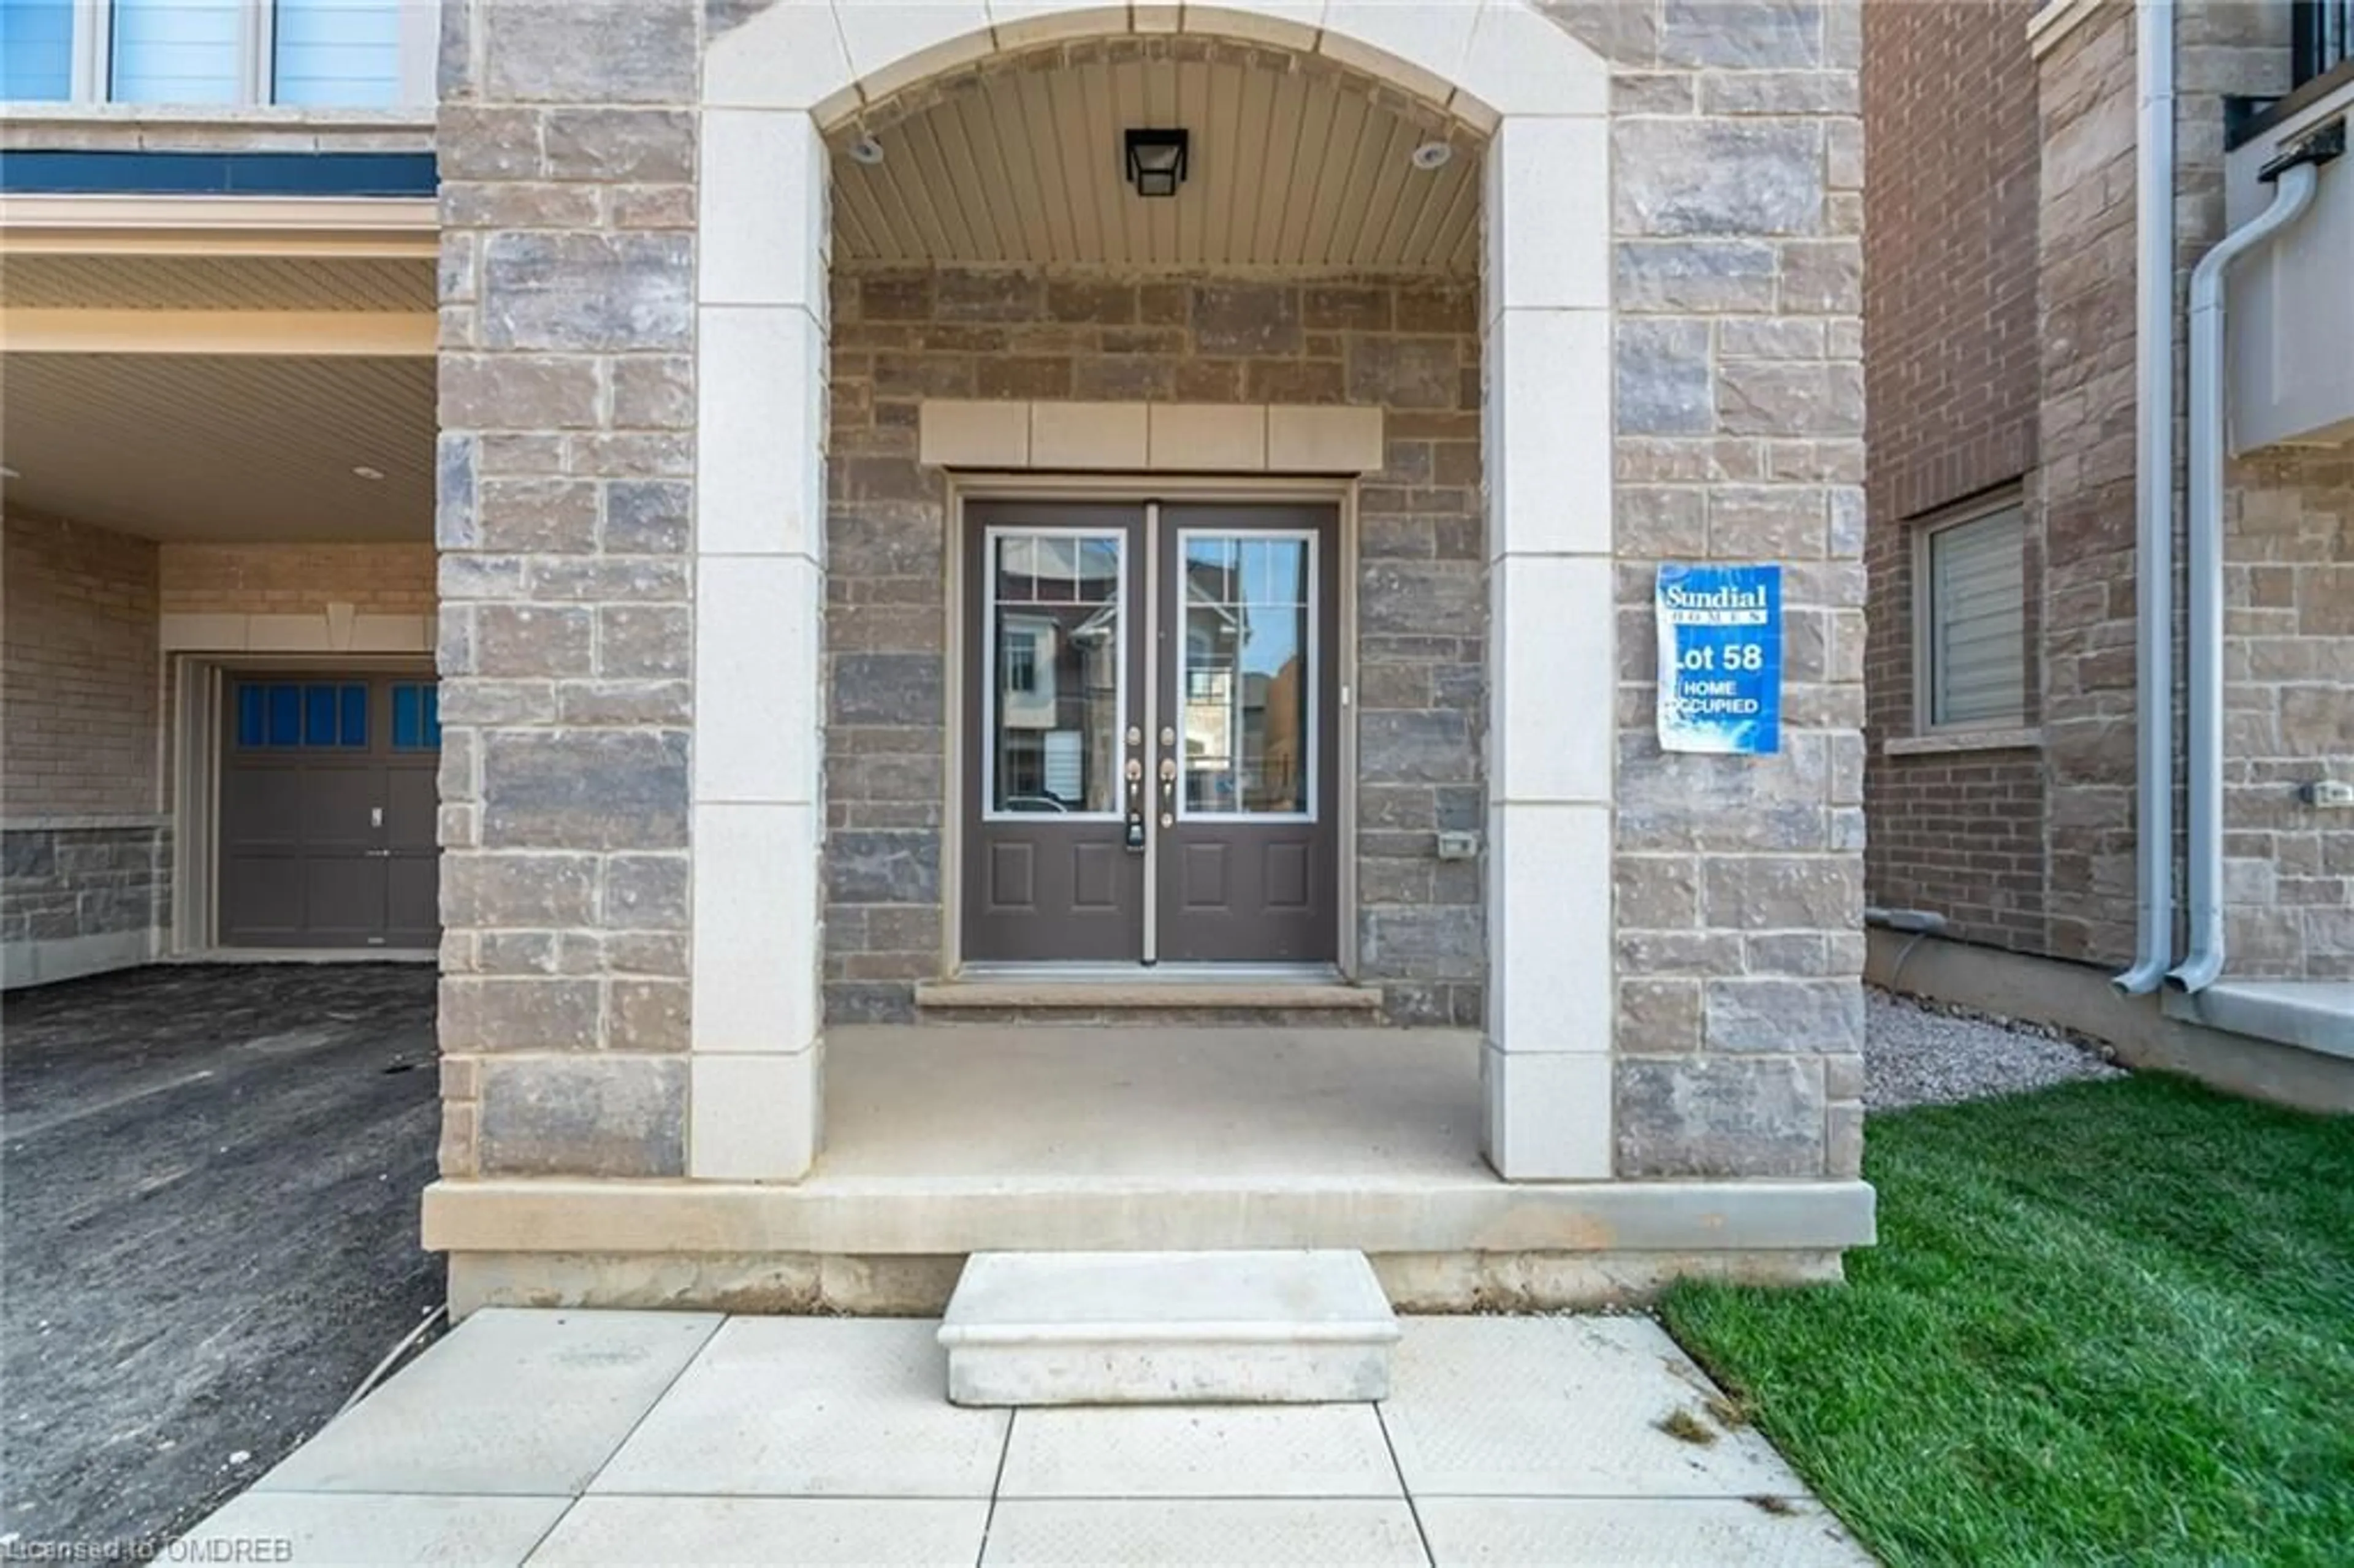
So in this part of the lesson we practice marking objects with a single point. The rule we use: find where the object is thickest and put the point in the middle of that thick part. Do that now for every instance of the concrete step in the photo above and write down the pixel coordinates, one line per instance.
(1168, 1327)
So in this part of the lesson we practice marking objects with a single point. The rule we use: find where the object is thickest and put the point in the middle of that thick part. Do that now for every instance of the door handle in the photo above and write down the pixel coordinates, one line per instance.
(1134, 836)
(379, 854)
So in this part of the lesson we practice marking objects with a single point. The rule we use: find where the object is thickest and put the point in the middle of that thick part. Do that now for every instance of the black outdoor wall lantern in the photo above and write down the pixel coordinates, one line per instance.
(1156, 161)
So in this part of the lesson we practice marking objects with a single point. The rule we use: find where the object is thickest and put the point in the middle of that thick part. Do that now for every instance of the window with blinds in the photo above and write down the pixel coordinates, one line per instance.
(1974, 621)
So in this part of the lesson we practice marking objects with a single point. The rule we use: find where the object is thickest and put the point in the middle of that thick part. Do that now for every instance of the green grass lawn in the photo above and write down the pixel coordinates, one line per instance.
(2111, 1322)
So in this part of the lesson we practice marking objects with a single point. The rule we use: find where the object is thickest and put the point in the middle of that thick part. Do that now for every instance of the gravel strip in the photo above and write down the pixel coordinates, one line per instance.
(1920, 1052)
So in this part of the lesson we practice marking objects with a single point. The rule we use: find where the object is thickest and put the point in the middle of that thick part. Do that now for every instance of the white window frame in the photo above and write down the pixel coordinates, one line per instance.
(1925, 620)
(93, 57)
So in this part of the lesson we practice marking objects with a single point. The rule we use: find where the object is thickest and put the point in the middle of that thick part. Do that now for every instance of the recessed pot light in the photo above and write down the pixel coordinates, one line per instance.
(866, 150)
(1433, 155)
(370, 474)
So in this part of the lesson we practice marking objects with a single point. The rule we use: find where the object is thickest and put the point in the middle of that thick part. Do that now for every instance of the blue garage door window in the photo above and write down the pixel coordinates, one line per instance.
(304, 714)
(36, 50)
(416, 716)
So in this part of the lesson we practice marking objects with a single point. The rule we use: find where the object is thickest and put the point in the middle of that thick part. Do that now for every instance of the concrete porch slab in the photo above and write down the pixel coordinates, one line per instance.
(1622, 1532)
(805, 1533)
(1008, 1104)
(944, 1141)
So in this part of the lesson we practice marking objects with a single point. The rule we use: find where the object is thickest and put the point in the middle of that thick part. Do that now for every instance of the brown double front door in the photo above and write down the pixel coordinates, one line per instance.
(1151, 724)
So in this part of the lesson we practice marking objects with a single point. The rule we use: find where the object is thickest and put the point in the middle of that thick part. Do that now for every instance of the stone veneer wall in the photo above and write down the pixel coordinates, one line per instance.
(1410, 345)
(2289, 548)
(2082, 496)
(567, 146)
(2288, 652)
(84, 857)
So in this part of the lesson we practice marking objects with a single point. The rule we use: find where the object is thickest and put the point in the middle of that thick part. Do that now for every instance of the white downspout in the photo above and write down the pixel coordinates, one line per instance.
(2291, 195)
(2153, 499)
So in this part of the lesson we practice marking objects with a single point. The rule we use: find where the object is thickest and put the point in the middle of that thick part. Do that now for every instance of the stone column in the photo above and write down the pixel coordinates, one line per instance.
(760, 551)
(567, 327)
(1546, 1065)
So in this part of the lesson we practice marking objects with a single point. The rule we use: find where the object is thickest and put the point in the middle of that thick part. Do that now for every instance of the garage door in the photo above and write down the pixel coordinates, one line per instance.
(327, 806)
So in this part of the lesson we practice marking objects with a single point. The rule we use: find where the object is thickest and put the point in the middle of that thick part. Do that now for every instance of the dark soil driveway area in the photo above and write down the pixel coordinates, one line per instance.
(209, 1227)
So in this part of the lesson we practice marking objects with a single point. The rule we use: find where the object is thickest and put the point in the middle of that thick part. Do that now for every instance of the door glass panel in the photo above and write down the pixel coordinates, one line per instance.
(1245, 677)
(1056, 696)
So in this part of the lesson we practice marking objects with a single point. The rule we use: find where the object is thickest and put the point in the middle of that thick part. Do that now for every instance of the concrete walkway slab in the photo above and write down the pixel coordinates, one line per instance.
(806, 1532)
(370, 1527)
(1637, 1532)
(1200, 1451)
(823, 1442)
(1167, 1533)
(511, 1403)
(815, 1407)
(1564, 1407)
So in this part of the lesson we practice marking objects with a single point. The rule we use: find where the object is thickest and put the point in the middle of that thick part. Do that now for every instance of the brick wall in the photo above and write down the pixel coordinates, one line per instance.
(294, 580)
(78, 670)
(1952, 373)
(900, 336)
(83, 860)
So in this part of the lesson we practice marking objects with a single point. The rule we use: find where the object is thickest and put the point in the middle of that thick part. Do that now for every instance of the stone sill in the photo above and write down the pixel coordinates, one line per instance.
(1145, 995)
(166, 116)
(2016, 738)
(80, 821)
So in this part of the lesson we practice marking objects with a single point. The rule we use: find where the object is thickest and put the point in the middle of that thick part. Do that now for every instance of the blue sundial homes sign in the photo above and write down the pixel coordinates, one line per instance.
(1720, 659)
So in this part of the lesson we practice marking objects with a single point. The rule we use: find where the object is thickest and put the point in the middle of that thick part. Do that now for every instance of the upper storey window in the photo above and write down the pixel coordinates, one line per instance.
(339, 54)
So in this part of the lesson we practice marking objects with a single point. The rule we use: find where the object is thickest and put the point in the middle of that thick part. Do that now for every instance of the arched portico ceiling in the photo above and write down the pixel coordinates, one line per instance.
(1296, 162)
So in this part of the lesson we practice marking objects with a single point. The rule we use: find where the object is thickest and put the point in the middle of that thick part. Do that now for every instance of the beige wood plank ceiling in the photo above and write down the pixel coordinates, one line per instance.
(243, 448)
(40, 281)
(1290, 167)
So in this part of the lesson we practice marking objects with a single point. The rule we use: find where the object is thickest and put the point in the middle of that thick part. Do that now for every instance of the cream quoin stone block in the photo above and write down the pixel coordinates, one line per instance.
(753, 1118)
(1548, 433)
(760, 414)
(757, 721)
(1089, 436)
(1548, 215)
(1285, 23)
(955, 433)
(788, 55)
(761, 215)
(1549, 1114)
(1020, 23)
(1182, 436)
(1549, 928)
(755, 968)
(897, 43)
(1520, 64)
(1324, 441)
(1420, 47)
(1554, 669)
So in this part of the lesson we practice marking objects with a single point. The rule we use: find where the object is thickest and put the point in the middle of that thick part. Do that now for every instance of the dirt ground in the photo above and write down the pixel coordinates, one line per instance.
(208, 1229)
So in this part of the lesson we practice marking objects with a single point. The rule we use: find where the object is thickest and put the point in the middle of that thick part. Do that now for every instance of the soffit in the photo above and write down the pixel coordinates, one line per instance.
(1294, 164)
(41, 281)
(227, 448)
